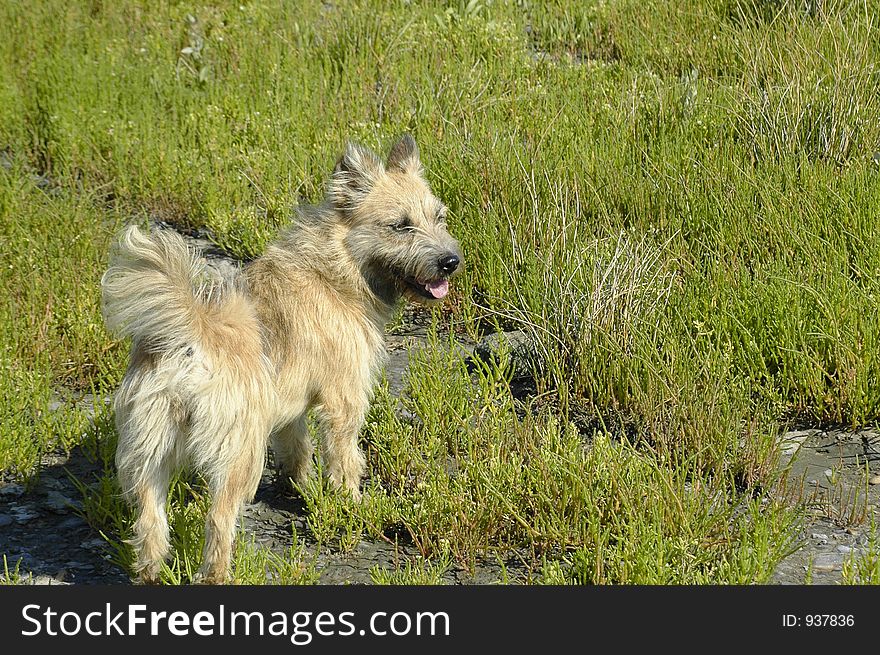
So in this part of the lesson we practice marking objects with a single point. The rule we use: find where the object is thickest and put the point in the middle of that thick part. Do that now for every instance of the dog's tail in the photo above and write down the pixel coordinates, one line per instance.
(157, 290)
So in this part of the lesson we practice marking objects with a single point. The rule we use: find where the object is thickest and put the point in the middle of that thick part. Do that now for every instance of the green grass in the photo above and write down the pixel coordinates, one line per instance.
(675, 200)
(864, 567)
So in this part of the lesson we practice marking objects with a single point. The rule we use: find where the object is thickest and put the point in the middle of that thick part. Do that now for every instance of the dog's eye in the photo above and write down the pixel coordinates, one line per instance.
(441, 215)
(402, 225)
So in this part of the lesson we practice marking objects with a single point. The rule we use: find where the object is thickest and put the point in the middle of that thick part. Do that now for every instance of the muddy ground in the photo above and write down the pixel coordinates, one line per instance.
(835, 472)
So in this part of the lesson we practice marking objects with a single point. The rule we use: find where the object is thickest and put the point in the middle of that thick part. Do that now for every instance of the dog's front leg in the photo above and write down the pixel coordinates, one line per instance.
(293, 450)
(343, 459)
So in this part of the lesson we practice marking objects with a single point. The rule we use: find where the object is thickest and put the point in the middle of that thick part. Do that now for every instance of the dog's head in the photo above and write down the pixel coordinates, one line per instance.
(397, 228)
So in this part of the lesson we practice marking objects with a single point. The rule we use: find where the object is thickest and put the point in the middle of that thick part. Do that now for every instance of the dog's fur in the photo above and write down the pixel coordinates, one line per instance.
(216, 369)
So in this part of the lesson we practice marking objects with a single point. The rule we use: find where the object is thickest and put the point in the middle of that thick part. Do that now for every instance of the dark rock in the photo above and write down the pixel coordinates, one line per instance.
(11, 490)
(71, 523)
(23, 514)
(59, 503)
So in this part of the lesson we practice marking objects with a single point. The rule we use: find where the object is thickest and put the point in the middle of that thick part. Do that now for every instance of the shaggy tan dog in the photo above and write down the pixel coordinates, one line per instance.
(216, 369)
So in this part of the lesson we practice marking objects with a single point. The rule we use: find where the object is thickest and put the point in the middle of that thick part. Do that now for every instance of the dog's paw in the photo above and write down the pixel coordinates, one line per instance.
(148, 577)
(209, 576)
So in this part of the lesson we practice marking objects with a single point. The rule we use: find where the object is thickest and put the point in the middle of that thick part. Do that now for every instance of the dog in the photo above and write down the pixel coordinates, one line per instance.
(219, 369)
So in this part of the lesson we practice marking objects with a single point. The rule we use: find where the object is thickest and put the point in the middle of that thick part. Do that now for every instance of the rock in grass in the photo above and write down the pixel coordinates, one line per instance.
(516, 346)
(59, 503)
(71, 523)
(828, 562)
(23, 514)
(11, 490)
(874, 480)
(47, 580)
(791, 442)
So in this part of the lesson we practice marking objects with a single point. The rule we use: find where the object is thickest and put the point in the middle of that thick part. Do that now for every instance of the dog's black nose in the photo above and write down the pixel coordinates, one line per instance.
(448, 264)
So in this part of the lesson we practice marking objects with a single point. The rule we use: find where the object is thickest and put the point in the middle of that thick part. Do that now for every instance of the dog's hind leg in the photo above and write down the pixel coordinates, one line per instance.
(150, 540)
(293, 449)
(231, 487)
(146, 457)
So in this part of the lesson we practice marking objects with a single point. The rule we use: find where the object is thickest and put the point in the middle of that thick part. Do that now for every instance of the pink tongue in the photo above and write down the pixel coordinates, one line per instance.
(438, 289)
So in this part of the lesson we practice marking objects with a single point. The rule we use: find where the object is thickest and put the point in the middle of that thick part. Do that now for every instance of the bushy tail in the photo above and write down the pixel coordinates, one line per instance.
(156, 290)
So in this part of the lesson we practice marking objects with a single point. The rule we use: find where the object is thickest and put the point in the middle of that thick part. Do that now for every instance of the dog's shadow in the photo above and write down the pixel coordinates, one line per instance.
(45, 538)
(278, 493)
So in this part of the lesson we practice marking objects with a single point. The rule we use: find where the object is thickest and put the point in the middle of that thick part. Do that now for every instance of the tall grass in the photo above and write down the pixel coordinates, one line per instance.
(675, 201)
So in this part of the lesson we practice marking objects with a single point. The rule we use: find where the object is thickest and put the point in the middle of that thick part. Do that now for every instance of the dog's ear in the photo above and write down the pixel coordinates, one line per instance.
(404, 156)
(355, 174)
